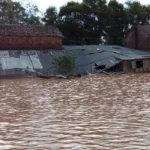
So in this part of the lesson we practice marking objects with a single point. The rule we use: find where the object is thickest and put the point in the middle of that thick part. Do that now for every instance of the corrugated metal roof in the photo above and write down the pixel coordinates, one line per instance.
(108, 56)
(36, 62)
(87, 57)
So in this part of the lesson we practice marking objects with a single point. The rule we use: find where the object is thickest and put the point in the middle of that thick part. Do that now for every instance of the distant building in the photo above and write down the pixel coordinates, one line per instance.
(138, 37)
(19, 37)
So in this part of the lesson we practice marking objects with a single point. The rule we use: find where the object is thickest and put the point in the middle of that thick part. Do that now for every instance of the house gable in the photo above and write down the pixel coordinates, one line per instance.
(138, 38)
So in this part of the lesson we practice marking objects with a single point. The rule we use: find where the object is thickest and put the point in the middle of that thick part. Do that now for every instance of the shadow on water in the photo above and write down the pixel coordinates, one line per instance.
(92, 112)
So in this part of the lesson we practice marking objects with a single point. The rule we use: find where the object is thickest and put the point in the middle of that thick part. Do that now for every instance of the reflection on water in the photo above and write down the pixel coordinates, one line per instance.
(91, 113)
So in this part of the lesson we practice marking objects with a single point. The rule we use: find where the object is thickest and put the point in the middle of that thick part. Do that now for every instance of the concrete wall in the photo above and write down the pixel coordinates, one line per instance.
(38, 43)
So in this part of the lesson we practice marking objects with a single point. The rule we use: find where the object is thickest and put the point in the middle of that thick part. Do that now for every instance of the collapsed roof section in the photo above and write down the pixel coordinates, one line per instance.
(100, 57)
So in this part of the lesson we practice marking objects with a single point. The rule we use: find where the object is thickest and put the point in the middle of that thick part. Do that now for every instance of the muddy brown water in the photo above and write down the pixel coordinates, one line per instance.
(88, 113)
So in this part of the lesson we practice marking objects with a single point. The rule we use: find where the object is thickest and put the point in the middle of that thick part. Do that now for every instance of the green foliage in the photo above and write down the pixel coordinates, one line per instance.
(86, 23)
(96, 21)
(78, 23)
(32, 14)
(65, 65)
(138, 13)
(117, 23)
(50, 16)
(13, 12)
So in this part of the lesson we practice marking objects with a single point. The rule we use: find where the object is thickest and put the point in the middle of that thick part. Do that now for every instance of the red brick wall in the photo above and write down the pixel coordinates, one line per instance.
(130, 40)
(40, 43)
(143, 40)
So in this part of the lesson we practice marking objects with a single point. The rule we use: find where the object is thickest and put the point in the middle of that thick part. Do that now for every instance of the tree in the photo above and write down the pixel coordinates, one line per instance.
(50, 16)
(32, 12)
(117, 23)
(138, 13)
(99, 9)
(79, 24)
(12, 12)
(71, 24)
(96, 21)
(65, 65)
(147, 13)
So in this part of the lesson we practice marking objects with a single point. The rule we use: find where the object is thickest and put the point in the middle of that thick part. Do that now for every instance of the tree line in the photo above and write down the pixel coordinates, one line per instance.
(89, 22)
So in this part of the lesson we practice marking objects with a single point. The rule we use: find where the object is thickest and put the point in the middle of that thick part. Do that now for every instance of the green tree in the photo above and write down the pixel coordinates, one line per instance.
(65, 65)
(50, 16)
(117, 23)
(32, 13)
(71, 23)
(96, 21)
(137, 13)
(99, 9)
(13, 12)
(79, 24)
(147, 13)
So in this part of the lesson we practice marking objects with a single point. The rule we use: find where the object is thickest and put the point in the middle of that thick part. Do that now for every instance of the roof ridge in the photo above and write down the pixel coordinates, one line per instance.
(29, 30)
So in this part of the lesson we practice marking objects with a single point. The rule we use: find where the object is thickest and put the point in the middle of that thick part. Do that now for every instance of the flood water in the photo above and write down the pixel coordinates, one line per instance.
(88, 113)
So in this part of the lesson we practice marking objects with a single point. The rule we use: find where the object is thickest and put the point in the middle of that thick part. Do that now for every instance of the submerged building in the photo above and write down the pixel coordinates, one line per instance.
(89, 59)
(31, 49)
(99, 58)
(37, 37)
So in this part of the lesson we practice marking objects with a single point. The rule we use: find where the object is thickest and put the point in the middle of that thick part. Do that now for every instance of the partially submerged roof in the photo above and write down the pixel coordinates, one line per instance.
(109, 56)
(29, 31)
(87, 57)
(119, 52)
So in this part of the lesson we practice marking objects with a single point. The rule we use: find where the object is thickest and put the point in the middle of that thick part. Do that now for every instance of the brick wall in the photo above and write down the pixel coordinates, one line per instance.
(36, 43)
(130, 40)
(143, 41)
(148, 42)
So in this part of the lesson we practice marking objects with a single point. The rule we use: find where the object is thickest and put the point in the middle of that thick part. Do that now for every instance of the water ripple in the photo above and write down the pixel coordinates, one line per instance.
(91, 113)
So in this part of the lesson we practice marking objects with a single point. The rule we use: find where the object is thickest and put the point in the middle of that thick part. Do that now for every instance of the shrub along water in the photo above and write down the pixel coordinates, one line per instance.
(65, 65)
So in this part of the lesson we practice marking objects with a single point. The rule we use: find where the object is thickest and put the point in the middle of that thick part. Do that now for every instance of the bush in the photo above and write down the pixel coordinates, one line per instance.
(65, 65)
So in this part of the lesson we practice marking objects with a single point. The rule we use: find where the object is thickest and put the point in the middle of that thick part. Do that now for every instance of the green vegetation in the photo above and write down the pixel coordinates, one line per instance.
(13, 12)
(89, 22)
(65, 65)
(96, 21)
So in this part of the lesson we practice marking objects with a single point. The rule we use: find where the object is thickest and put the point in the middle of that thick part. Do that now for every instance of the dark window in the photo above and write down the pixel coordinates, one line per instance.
(99, 67)
(139, 64)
